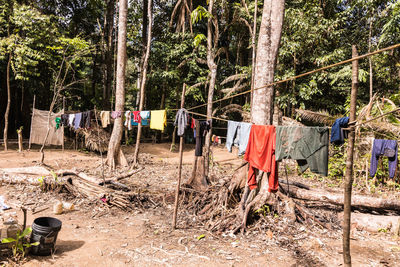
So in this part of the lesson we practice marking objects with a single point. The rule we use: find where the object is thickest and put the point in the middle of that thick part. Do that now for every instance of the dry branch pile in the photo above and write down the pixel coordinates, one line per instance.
(96, 138)
(79, 184)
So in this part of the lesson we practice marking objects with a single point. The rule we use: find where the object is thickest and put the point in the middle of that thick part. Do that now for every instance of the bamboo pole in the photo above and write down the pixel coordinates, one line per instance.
(33, 114)
(178, 186)
(349, 164)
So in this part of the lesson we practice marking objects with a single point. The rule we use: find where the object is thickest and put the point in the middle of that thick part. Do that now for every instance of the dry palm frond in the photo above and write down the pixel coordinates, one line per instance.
(235, 77)
(96, 138)
(316, 117)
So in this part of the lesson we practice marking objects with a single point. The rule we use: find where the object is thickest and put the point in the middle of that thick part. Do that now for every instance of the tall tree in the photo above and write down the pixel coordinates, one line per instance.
(144, 78)
(114, 149)
(267, 53)
(108, 52)
(212, 44)
(263, 99)
(9, 8)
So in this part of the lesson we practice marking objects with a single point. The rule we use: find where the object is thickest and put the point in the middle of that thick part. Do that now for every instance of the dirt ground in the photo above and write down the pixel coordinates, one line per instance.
(97, 235)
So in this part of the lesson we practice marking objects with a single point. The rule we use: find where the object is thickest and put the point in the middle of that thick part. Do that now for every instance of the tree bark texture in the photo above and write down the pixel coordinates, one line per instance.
(212, 41)
(253, 50)
(262, 107)
(144, 79)
(7, 113)
(349, 164)
(108, 52)
(267, 52)
(115, 140)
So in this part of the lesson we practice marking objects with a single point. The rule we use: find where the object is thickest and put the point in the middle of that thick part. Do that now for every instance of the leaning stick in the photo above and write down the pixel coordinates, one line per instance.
(180, 166)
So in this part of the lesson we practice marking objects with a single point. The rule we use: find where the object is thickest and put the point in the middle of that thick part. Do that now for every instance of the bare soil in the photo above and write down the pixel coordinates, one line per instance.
(97, 235)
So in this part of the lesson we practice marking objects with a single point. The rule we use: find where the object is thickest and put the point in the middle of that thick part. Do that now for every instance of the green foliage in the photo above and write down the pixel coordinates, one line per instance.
(198, 14)
(337, 162)
(20, 244)
(198, 39)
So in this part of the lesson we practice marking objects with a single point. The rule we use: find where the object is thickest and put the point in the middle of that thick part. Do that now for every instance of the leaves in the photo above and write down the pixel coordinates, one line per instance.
(198, 14)
(8, 240)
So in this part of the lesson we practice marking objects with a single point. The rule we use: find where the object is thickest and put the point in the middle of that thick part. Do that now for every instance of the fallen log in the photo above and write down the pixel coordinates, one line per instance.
(375, 223)
(357, 201)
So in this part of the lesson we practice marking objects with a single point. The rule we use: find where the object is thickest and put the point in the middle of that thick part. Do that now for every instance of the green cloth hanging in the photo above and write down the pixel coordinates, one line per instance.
(58, 122)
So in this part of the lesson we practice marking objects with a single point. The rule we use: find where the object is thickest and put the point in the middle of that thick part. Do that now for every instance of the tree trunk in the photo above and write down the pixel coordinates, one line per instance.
(108, 52)
(211, 46)
(144, 79)
(5, 135)
(370, 62)
(263, 99)
(267, 53)
(253, 52)
(115, 140)
(349, 164)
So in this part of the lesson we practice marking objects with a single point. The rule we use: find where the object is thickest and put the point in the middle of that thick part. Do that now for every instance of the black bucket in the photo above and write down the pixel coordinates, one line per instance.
(44, 231)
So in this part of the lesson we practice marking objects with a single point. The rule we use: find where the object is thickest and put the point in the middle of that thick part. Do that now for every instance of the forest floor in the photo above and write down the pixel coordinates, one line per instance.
(97, 235)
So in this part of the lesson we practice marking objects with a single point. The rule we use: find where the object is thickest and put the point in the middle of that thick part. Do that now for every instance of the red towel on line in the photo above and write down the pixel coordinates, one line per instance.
(260, 154)
(136, 116)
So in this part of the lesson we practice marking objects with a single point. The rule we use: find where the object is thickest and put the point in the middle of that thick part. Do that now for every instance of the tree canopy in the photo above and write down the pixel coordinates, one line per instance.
(39, 35)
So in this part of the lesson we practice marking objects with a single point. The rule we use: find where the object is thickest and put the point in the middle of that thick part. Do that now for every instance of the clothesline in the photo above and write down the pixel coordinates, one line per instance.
(203, 115)
(301, 75)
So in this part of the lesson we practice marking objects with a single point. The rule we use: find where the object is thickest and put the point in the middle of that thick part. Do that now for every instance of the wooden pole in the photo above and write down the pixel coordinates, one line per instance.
(20, 142)
(178, 186)
(62, 125)
(349, 164)
(33, 113)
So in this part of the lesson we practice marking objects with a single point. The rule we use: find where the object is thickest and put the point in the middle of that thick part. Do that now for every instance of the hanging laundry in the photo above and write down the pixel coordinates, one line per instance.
(307, 145)
(387, 148)
(260, 154)
(86, 120)
(77, 121)
(145, 115)
(128, 118)
(71, 119)
(136, 116)
(105, 118)
(116, 114)
(181, 120)
(242, 131)
(231, 133)
(158, 119)
(58, 122)
(202, 128)
(338, 134)
(64, 120)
